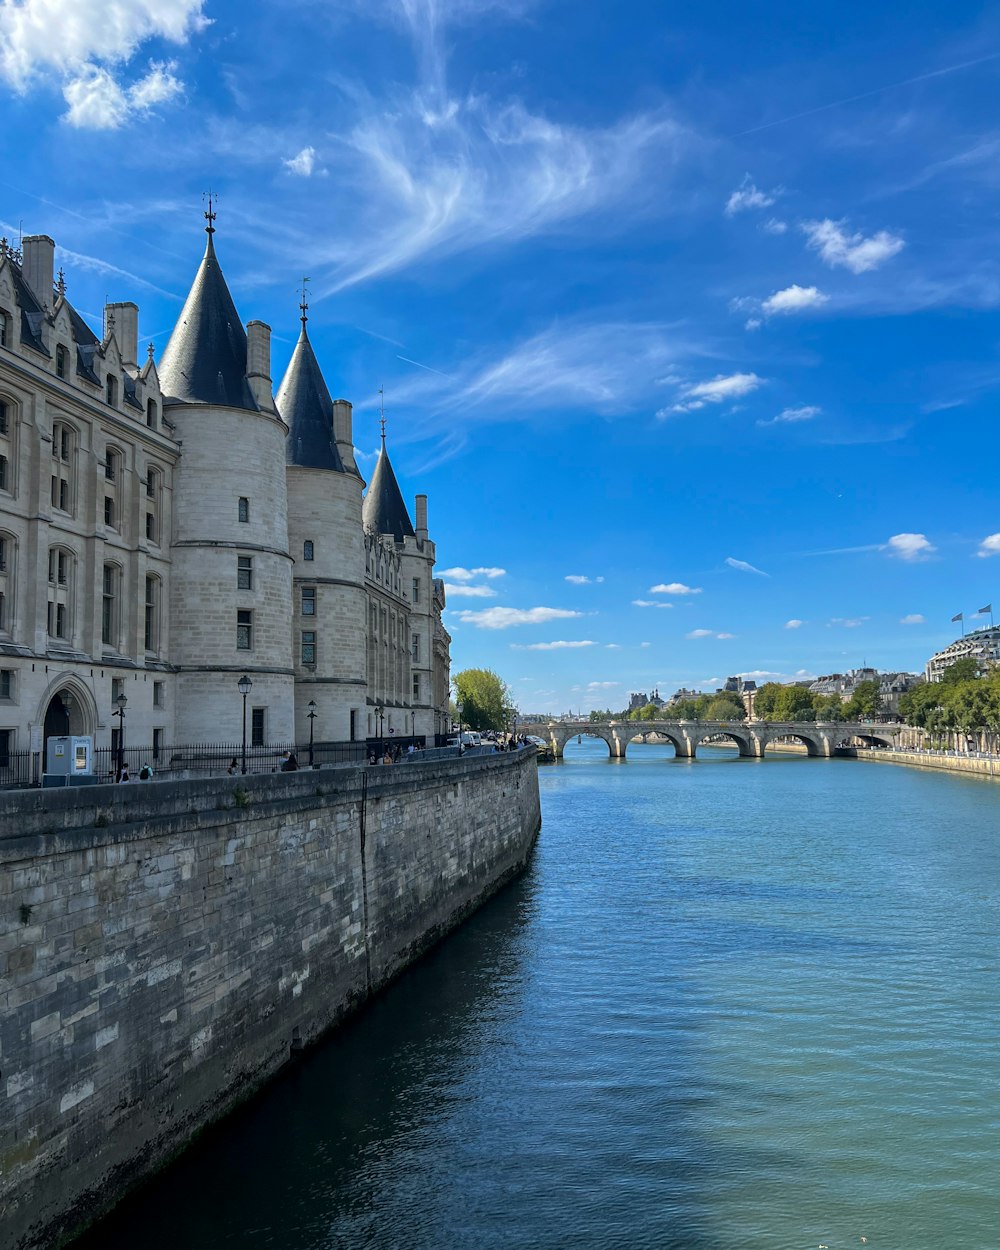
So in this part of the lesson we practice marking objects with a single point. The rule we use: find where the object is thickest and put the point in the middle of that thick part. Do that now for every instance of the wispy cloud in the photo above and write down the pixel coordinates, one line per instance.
(774, 225)
(794, 623)
(505, 618)
(302, 164)
(849, 622)
(716, 390)
(910, 546)
(912, 618)
(793, 299)
(990, 546)
(580, 579)
(749, 196)
(743, 567)
(460, 574)
(789, 416)
(707, 633)
(674, 588)
(650, 603)
(460, 590)
(561, 645)
(850, 251)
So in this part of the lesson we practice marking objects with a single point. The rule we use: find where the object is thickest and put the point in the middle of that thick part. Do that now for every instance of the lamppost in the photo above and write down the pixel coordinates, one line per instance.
(460, 708)
(244, 686)
(121, 701)
(379, 720)
(513, 730)
(312, 717)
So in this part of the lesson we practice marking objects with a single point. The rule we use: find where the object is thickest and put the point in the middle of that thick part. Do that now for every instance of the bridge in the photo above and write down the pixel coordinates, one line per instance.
(752, 738)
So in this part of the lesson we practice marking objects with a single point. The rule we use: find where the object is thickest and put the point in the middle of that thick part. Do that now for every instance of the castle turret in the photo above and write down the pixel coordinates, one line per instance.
(230, 598)
(329, 608)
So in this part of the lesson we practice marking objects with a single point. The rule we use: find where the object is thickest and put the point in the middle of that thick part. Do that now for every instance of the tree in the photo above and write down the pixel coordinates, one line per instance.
(766, 700)
(725, 706)
(487, 702)
(866, 700)
(828, 707)
(966, 669)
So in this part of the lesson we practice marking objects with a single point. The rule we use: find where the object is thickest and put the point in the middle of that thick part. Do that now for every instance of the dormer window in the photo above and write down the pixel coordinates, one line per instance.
(5, 329)
(62, 361)
(111, 391)
(151, 413)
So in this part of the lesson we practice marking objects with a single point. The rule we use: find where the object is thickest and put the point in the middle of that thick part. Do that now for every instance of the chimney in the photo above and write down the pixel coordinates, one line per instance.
(421, 526)
(38, 266)
(343, 432)
(259, 363)
(124, 319)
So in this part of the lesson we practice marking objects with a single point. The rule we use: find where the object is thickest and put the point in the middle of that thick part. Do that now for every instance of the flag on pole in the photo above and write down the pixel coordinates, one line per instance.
(988, 608)
(959, 617)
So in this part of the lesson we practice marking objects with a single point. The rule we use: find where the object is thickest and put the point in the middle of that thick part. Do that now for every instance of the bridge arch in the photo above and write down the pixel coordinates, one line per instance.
(676, 740)
(560, 738)
(741, 741)
(814, 743)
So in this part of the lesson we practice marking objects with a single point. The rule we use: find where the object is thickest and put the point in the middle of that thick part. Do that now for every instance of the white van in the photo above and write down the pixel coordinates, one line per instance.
(469, 739)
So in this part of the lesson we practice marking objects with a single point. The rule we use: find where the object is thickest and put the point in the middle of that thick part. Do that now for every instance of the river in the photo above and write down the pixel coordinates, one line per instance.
(732, 1003)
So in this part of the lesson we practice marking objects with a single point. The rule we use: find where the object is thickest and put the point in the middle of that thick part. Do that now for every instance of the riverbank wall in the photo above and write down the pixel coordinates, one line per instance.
(165, 948)
(987, 766)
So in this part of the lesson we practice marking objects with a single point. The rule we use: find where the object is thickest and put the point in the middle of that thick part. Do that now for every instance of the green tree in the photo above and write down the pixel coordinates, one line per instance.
(828, 707)
(966, 669)
(487, 702)
(794, 703)
(766, 700)
(725, 706)
(866, 700)
(683, 709)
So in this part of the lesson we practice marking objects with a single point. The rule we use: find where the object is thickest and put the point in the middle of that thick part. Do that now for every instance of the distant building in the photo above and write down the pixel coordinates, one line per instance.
(679, 696)
(982, 645)
(891, 685)
(639, 699)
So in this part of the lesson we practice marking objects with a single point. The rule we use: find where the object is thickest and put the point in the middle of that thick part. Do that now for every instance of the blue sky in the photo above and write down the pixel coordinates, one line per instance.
(686, 315)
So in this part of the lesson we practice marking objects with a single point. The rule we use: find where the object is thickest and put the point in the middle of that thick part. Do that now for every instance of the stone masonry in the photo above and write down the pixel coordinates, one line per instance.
(165, 948)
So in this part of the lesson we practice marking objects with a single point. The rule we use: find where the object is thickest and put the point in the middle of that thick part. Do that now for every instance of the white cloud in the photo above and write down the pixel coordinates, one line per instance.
(96, 102)
(674, 588)
(303, 164)
(990, 546)
(454, 590)
(715, 391)
(602, 685)
(749, 196)
(743, 567)
(753, 323)
(725, 635)
(793, 299)
(613, 646)
(774, 226)
(459, 574)
(910, 546)
(849, 622)
(850, 251)
(794, 623)
(551, 646)
(650, 603)
(790, 415)
(699, 633)
(912, 618)
(504, 618)
(580, 579)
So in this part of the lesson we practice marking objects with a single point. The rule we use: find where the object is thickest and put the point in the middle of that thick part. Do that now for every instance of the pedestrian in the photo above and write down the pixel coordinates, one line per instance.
(145, 773)
(290, 763)
(233, 769)
(123, 775)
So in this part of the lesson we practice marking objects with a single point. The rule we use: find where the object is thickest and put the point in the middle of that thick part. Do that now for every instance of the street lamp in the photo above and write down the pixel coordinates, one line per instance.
(379, 720)
(244, 686)
(312, 717)
(459, 708)
(121, 701)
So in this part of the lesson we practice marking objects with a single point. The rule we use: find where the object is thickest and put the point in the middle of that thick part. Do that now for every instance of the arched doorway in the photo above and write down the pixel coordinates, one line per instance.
(63, 716)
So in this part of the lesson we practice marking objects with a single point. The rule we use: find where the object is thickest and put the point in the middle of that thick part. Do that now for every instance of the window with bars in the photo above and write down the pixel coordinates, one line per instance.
(109, 606)
(7, 684)
(3, 555)
(244, 509)
(308, 646)
(4, 418)
(308, 600)
(111, 463)
(151, 630)
(109, 511)
(4, 474)
(58, 567)
(244, 572)
(151, 527)
(308, 549)
(244, 630)
(58, 620)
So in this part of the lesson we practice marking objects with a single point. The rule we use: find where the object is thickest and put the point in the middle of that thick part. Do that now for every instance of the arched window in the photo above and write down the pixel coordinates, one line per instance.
(243, 510)
(111, 390)
(63, 466)
(152, 614)
(153, 483)
(113, 477)
(62, 566)
(6, 322)
(111, 606)
(151, 413)
(307, 549)
(62, 361)
(8, 550)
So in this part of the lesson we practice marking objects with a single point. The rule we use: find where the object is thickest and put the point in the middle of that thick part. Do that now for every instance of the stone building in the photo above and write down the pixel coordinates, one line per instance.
(166, 529)
(981, 645)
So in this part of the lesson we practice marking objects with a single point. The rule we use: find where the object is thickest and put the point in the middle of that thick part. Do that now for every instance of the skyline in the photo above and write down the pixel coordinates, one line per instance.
(792, 236)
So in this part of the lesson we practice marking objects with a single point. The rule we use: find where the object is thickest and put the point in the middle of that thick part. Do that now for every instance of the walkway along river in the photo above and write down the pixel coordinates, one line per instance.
(731, 1004)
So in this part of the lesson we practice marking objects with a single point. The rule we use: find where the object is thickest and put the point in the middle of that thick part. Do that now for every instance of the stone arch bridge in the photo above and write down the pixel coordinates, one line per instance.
(752, 738)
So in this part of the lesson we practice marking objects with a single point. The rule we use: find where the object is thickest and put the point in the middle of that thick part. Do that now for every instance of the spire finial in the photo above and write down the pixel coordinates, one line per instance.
(304, 303)
(210, 216)
(149, 349)
(381, 411)
(61, 284)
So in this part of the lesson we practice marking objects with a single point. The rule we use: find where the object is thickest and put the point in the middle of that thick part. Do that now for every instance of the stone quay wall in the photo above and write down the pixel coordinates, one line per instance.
(978, 766)
(165, 947)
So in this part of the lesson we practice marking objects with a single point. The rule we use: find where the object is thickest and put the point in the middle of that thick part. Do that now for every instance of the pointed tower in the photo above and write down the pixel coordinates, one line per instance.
(230, 593)
(384, 510)
(329, 607)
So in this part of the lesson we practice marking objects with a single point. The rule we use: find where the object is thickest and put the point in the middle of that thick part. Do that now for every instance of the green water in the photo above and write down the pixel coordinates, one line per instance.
(733, 1003)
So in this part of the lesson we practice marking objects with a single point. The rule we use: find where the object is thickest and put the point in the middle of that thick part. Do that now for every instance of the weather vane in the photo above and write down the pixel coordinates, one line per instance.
(210, 216)
(381, 410)
(304, 305)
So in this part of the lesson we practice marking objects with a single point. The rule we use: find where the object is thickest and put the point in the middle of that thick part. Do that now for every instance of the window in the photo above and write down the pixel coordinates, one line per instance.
(57, 620)
(3, 555)
(416, 685)
(416, 590)
(244, 572)
(109, 606)
(152, 482)
(60, 494)
(4, 418)
(58, 567)
(151, 630)
(111, 462)
(151, 527)
(244, 630)
(157, 743)
(308, 646)
(117, 688)
(151, 413)
(307, 549)
(109, 511)
(62, 361)
(308, 600)
(111, 390)
(258, 723)
(7, 683)
(3, 473)
(416, 646)
(5, 339)
(6, 742)
(158, 697)
(62, 453)
(244, 510)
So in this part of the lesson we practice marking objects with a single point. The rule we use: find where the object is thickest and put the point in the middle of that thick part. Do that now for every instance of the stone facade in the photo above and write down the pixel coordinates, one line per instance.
(159, 539)
(164, 948)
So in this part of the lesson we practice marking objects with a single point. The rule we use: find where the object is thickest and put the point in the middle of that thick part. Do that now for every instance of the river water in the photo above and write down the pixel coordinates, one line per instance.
(732, 1003)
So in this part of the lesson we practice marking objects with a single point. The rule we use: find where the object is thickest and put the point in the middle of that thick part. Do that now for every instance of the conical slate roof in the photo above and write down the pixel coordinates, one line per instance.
(307, 409)
(205, 361)
(383, 509)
